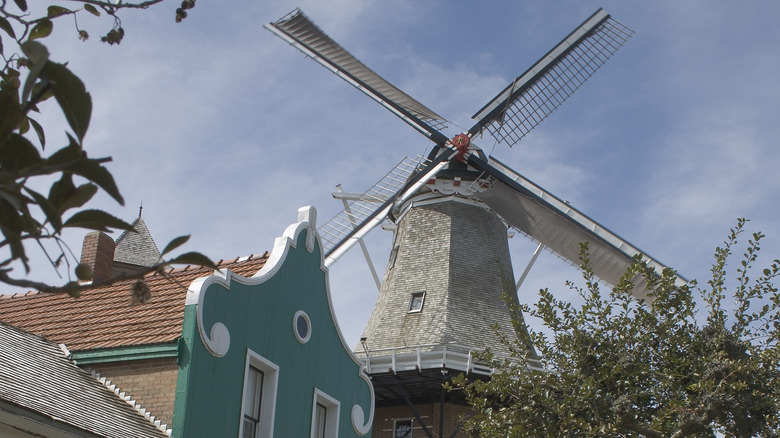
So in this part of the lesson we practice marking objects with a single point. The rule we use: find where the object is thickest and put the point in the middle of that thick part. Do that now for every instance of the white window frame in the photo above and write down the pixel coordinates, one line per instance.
(270, 384)
(301, 314)
(332, 407)
(421, 293)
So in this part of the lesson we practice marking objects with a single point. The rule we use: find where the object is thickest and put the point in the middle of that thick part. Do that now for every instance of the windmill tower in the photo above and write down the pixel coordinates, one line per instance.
(449, 269)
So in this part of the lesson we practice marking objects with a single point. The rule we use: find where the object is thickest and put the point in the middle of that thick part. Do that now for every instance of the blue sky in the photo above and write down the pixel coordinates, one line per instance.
(222, 130)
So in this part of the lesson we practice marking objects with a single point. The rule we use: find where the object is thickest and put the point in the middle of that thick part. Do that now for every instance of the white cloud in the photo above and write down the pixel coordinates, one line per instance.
(223, 131)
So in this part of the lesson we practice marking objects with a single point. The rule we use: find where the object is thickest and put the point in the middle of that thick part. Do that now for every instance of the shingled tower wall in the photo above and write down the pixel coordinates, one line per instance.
(457, 253)
(455, 250)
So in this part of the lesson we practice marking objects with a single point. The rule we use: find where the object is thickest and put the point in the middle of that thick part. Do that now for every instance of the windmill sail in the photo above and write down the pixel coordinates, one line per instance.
(509, 116)
(530, 98)
(449, 271)
(304, 35)
(554, 223)
(347, 227)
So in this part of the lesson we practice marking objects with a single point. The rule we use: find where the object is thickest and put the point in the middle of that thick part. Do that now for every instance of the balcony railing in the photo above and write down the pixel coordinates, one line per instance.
(421, 357)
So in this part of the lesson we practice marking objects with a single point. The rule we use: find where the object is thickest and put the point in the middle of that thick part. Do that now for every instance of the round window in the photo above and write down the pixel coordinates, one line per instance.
(302, 326)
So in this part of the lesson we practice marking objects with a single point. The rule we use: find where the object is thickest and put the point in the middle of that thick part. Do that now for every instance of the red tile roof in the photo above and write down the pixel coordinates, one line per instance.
(105, 317)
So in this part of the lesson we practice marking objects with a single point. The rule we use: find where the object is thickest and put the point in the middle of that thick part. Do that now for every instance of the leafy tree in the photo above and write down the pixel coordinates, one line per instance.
(621, 366)
(28, 79)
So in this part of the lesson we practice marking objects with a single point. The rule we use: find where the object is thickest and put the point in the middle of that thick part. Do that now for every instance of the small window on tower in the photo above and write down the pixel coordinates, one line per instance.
(416, 303)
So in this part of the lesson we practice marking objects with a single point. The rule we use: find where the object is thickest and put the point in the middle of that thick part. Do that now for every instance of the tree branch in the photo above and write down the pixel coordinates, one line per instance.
(73, 287)
(116, 6)
(642, 430)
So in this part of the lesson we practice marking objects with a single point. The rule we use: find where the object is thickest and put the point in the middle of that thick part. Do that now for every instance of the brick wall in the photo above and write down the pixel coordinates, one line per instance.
(97, 251)
(384, 420)
(151, 382)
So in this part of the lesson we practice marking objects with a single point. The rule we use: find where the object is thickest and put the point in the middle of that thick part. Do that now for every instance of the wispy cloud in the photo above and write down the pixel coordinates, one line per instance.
(223, 131)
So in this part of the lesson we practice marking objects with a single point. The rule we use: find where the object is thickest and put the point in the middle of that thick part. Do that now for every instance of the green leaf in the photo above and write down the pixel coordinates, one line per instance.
(92, 10)
(22, 4)
(80, 196)
(61, 190)
(97, 220)
(52, 215)
(71, 152)
(175, 243)
(24, 125)
(41, 92)
(11, 227)
(14, 198)
(56, 11)
(64, 195)
(193, 258)
(17, 153)
(6, 26)
(39, 131)
(11, 112)
(38, 55)
(42, 29)
(93, 171)
(71, 95)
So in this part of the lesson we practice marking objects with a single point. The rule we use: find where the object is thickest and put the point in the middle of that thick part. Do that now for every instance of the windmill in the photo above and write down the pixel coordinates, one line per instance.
(449, 268)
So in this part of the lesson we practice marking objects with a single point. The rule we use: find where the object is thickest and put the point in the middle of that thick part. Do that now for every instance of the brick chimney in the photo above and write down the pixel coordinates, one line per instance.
(98, 252)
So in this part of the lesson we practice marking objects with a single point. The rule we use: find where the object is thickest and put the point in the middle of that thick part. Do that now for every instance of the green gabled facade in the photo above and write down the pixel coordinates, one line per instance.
(279, 323)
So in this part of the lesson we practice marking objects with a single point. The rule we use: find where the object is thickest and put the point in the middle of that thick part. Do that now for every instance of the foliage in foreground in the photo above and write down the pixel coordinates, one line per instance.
(28, 79)
(625, 367)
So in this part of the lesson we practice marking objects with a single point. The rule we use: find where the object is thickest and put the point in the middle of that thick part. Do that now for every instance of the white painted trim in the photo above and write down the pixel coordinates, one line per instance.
(437, 198)
(217, 342)
(217, 339)
(270, 385)
(306, 338)
(332, 413)
(307, 217)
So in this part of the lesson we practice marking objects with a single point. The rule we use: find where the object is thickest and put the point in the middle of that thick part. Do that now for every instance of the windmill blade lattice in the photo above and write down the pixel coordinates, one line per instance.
(334, 232)
(303, 34)
(535, 94)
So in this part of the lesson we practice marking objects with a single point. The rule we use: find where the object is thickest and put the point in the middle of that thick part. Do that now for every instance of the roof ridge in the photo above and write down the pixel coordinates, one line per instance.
(26, 332)
(128, 399)
(29, 293)
(221, 262)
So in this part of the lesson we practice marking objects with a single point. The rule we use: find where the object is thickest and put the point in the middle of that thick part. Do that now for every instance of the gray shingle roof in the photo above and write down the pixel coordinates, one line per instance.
(39, 382)
(137, 248)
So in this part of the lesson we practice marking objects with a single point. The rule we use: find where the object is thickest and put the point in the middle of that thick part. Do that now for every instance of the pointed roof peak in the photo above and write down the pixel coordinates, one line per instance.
(137, 248)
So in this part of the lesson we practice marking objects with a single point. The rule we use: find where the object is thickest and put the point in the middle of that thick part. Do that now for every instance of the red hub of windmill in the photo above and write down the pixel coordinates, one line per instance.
(461, 142)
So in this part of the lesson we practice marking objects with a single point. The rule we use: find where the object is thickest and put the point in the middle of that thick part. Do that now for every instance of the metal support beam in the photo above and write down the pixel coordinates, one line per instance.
(360, 241)
(414, 411)
(441, 411)
(528, 267)
(460, 423)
